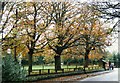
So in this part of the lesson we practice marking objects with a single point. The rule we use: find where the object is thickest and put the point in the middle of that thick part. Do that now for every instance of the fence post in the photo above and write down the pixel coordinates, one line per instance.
(74, 69)
(55, 70)
(48, 71)
(62, 70)
(39, 71)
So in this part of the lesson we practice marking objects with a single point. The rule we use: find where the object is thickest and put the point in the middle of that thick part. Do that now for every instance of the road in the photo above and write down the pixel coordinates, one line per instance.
(112, 76)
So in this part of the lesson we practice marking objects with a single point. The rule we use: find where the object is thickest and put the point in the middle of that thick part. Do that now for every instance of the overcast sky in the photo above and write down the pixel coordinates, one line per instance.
(114, 47)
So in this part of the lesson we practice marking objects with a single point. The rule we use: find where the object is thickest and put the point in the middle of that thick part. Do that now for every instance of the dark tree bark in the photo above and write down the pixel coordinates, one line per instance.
(30, 53)
(15, 48)
(58, 57)
(15, 54)
(57, 62)
(86, 59)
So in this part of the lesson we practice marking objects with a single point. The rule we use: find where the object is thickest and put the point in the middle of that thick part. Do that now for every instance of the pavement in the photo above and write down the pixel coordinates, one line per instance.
(111, 76)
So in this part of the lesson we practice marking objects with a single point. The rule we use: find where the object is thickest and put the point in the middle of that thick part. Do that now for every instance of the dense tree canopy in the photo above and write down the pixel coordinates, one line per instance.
(37, 28)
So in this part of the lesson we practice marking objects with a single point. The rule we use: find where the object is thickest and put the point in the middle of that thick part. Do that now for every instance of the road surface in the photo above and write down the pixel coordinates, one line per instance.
(112, 76)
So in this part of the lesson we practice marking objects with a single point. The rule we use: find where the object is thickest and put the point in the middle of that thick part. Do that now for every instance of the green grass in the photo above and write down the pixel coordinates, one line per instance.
(44, 68)
(40, 67)
(50, 66)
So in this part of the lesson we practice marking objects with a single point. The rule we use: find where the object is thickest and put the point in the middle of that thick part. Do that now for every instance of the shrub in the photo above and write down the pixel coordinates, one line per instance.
(11, 70)
(24, 62)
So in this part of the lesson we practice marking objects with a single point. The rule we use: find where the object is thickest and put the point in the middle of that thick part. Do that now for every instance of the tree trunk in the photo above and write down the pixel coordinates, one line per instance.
(57, 62)
(15, 54)
(30, 61)
(86, 63)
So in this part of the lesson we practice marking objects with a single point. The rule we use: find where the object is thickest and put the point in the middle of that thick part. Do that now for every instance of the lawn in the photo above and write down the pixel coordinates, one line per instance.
(50, 66)
(44, 68)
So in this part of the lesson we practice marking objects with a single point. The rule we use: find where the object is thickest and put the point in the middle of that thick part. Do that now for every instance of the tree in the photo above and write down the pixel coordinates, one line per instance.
(109, 10)
(73, 26)
(4, 21)
(65, 31)
(33, 27)
(40, 60)
(12, 71)
(115, 59)
(12, 38)
(95, 34)
(28, 31)
(9, 25)
(60, 26)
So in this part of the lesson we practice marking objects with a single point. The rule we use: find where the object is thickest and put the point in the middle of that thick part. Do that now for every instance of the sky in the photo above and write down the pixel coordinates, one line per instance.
(113, 48)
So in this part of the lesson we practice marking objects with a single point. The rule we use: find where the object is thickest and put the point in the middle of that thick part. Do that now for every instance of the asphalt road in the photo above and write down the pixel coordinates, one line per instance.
(112, 76)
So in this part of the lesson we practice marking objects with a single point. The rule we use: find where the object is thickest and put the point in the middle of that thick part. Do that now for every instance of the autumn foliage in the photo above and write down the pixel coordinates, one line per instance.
(55, 29)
